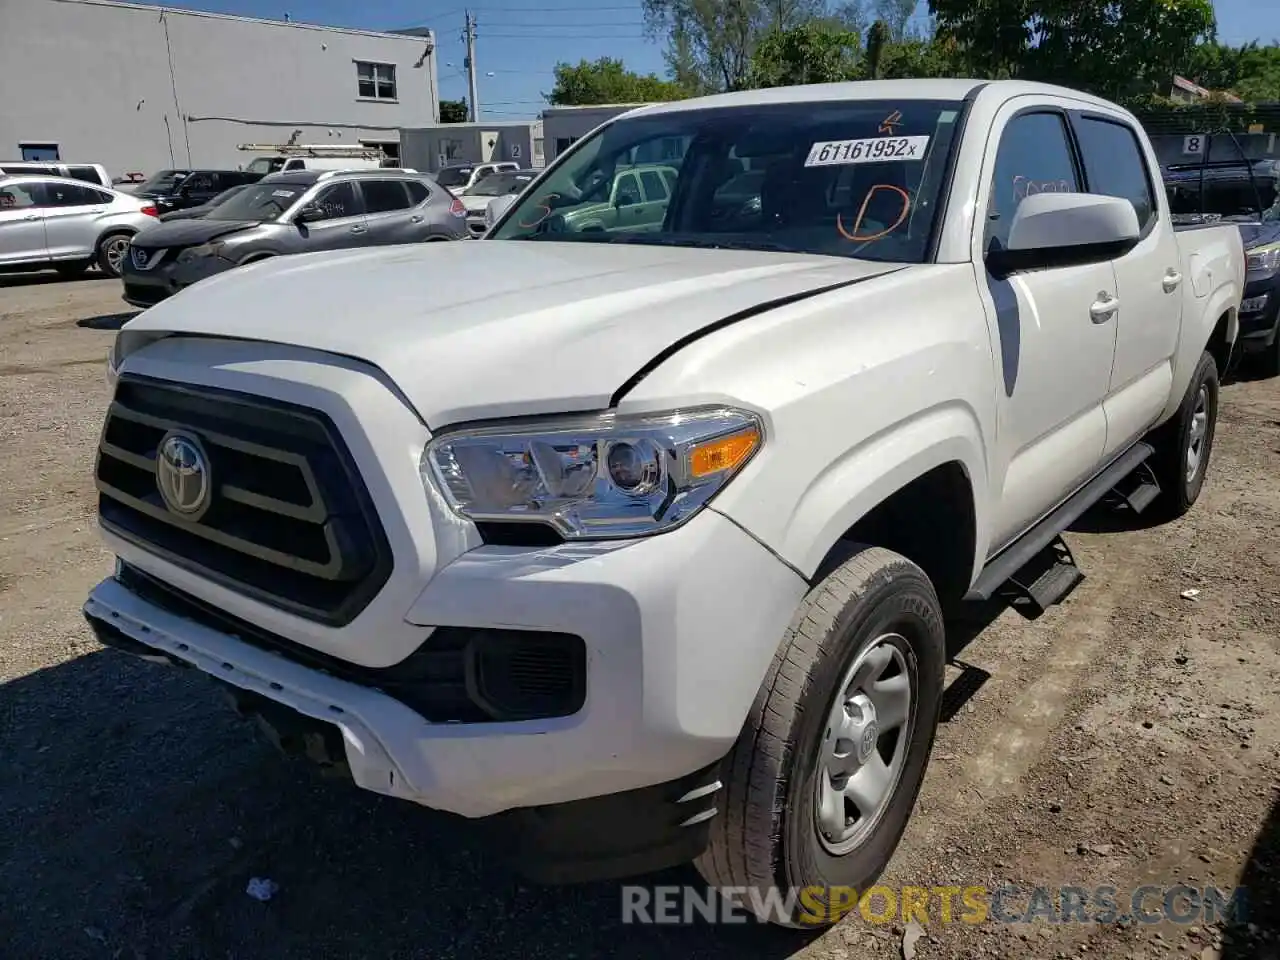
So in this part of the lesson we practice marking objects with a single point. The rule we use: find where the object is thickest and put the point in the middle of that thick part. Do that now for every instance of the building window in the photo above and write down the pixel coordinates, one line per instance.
(377, 81)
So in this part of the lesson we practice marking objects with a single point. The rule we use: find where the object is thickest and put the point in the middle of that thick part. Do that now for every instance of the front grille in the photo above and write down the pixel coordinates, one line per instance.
(459, 675)
(289, 522)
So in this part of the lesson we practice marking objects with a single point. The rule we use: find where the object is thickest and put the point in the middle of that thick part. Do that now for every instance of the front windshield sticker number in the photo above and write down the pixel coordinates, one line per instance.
(282, 193)
(830, 153)
(544, 208)
(855, 235)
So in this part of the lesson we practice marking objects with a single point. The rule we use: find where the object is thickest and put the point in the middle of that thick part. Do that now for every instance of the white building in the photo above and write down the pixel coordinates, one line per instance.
(140, 88)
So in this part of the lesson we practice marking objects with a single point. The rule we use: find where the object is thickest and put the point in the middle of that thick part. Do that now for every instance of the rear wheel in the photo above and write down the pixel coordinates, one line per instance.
(112, 249)
(829, 763)
(1184, 444)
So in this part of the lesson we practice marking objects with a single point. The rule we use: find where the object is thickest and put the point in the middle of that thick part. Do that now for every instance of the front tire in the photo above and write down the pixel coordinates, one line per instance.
(825, 774)
(112, 249)
(1184, 444)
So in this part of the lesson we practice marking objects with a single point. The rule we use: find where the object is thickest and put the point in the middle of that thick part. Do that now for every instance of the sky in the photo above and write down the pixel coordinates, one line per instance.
(519, 42)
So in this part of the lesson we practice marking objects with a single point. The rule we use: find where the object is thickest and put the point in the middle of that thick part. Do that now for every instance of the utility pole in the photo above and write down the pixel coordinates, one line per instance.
(471, 67)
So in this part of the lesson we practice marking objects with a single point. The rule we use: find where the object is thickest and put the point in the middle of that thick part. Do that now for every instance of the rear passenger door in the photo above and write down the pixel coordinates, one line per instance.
(656, 198)
(386, 208)
(1148, 278)
(72, 218)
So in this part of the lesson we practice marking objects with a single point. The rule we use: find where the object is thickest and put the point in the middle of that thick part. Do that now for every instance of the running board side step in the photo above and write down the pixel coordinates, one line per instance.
(1038, 568)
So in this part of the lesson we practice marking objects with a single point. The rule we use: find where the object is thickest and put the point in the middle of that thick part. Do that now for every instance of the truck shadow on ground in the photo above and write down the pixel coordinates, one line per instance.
(1256, 931)
(107, 321)
(135, 808)
(27, 279)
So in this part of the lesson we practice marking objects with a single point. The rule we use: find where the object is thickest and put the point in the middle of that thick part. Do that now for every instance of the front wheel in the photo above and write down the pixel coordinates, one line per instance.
(826, 772)
(112, 249)
(1184, 444)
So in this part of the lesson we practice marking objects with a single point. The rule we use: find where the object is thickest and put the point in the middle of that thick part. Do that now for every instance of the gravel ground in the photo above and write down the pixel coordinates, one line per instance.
(1128, 737)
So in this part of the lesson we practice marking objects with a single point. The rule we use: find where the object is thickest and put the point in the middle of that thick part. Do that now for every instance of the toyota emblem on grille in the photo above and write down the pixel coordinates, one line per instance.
(183, 475)
(139, 256)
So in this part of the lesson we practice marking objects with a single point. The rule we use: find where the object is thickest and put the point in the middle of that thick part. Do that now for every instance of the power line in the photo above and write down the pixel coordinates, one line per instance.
(566, 36)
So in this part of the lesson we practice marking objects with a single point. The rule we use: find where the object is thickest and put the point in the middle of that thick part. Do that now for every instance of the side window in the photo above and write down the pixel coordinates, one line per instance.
(1114, 165)
(70, 195)
(1034, 157)
(339, 200)
(199, 183)
(418, 191)
(628, 190)
(383, 196)
(15, 196)
(655, 188)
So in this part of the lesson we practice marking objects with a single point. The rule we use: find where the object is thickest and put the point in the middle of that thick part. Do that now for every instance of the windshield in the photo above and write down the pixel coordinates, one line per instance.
(853, 179)
(163, 182)
(454, 176)
(501, 183)
(259, 201)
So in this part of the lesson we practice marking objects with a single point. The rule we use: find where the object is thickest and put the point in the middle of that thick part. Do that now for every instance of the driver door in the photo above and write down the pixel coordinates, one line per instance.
(1051, 332)
(344, 222)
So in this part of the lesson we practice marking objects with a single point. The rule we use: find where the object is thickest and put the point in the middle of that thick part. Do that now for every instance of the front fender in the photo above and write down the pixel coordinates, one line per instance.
(866, 475)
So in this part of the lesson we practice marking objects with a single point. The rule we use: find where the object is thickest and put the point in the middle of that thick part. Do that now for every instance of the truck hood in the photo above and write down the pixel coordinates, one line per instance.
(474, 202)
(491, 328)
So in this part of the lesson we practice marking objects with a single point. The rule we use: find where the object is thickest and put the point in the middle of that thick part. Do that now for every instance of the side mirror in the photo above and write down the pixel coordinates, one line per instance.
(309, 214)
(497, 207)
(1063, 229)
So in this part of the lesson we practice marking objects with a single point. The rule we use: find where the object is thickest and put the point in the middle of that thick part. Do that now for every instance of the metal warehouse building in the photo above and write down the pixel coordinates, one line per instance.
(142, 88)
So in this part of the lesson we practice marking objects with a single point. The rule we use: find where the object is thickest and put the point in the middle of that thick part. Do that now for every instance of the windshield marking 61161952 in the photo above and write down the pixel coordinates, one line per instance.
(839, 178)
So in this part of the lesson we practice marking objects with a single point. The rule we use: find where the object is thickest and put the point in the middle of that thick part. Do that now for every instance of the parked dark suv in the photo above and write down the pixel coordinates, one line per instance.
(180, 189)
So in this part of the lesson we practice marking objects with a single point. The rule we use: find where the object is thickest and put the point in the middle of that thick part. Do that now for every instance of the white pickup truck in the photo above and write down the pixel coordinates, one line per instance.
(641, 541)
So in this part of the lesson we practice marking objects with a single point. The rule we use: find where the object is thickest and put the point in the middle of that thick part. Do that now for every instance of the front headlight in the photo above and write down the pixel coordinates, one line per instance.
(200, 252)
(598, 477)
(1264, 259)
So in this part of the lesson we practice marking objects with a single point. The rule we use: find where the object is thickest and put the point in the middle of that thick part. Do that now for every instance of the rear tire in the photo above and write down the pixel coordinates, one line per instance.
(796, 789)
(112, 249)
(1184, 444)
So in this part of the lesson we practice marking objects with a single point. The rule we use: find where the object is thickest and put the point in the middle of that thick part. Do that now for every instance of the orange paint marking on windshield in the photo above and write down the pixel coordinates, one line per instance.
(546, 211)
(862, 212)
(890, 123)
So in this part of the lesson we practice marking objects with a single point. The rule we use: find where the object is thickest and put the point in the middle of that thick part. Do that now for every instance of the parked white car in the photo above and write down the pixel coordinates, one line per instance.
(94, 173)
(67, 224)
(646, 539)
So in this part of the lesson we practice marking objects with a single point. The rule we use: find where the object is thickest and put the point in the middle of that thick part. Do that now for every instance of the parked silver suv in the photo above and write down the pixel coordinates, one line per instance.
(67, 224)
(300, 211)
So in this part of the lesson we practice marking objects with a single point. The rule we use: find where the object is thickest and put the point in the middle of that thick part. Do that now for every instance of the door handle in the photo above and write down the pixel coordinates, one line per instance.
(1171, 280)
(32, 216)
(416, 218)
(1104, 307)
(357, 229)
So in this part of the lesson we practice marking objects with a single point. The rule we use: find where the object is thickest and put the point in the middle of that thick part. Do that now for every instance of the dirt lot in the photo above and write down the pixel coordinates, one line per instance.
(1128, 737)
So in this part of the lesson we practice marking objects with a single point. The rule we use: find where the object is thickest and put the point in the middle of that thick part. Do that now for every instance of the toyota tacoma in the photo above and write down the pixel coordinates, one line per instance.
(639, 536)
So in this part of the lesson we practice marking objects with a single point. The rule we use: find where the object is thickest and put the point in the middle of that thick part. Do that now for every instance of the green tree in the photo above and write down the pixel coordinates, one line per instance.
(1116, 48)
(877, 39)
(1251, 71)
(607, 81)
(710, 43)
(453, 111)
(810, 53)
